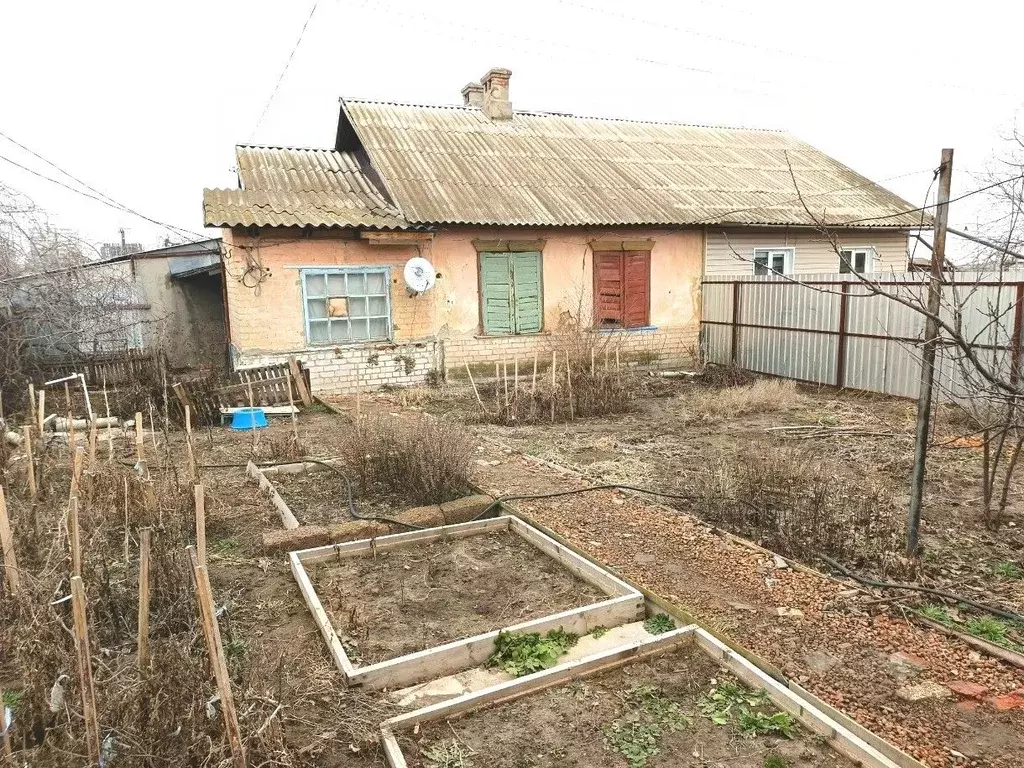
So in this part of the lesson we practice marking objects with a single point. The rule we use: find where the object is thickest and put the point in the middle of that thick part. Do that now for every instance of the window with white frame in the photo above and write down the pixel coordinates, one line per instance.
(859, 260)
(349, 304)
(773, 260)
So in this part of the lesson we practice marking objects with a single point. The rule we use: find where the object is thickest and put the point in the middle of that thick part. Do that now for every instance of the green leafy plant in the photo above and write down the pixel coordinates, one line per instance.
(224, 547)
(599, 632)
(524, 653)
(730, 700)
(988, 628)
(935, 613)
(637, 734)
(775, 761)
(753, 724)
(235, 648)
(11, 699)
(659, 623)
(1008, 570)
(448, 754)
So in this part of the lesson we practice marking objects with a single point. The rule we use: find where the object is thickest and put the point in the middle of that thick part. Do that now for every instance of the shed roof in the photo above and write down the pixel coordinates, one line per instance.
(455, 165)
(283, 187)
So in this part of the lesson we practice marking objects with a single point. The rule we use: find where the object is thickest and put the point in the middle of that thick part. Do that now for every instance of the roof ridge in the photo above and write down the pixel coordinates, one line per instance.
(294, 149)
(569, 115)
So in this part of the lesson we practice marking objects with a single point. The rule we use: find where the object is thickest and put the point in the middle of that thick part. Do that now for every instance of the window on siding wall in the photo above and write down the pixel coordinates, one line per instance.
(622, 289)
(511, 293)
(773, 260)
(343, 305)
(859, 260)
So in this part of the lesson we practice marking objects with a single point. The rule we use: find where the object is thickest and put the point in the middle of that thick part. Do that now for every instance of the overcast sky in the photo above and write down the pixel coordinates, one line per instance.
(145, 101)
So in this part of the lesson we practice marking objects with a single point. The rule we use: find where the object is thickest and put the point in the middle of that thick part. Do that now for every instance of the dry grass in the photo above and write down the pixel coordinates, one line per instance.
(763, 396)
(424, 462)
(798, 504)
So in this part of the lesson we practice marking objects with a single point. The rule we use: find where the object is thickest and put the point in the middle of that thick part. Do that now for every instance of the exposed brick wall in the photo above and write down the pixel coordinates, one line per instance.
(662, 347)
(342, 370)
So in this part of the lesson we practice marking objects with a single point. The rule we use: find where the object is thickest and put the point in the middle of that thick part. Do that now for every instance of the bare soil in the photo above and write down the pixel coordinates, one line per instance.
(406, 600)
(320, 497)
(565, 726)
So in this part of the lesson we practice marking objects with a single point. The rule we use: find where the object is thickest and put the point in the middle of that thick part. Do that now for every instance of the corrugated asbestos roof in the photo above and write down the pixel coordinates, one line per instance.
(454, 165)
(300, 187)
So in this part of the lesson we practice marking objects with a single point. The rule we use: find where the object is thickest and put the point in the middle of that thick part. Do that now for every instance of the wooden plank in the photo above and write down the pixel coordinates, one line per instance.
(11, 575)
(288, 520)
(398, 540)
(74, 537)
(572, 562)
(143, 640)
(459, 655)
(522, 686)
(30, 468)
(300, 382)
(320, 618)
(392, 752)
(84, 664)
(204, 594)
(200, 498)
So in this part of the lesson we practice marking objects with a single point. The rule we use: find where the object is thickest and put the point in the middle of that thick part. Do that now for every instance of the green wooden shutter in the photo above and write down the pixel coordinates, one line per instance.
(496, 285)
(526, 281)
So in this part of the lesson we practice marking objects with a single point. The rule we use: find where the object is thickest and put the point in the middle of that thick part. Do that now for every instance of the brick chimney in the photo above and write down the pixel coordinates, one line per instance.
(473, 95)
(496, 104)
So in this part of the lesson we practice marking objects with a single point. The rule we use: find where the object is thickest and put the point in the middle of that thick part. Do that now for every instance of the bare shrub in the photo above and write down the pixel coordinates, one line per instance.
(725, 376)
(278, 447)
(800, 505)
(425, 461)
(763, 396)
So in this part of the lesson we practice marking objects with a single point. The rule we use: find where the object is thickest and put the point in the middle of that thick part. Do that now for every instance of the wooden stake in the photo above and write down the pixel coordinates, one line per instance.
(291, 405)
(475, 390)
(110, 433)
(140, 441)
(152, 430)
(7, 547)
(31, 403)
(88, 402)
(67, 397)
(568, 381)
(215, 648)
(126, 523)
(606, 358)
(72, 437)
(533, 387)
(75, 535)
(554, 381)
(616, 358)
(77, 459)
(200, 524)
(93, 436)
(144, 535)
(2, 407)
(515, 378)
(505, 380)
(193, 469)
(42, 411)
(591, 360)
(252, 417)
(26, 432)
(92, 728)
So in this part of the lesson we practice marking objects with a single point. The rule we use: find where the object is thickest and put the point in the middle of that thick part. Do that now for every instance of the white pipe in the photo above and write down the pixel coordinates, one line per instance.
(88, 403)
(61, 381)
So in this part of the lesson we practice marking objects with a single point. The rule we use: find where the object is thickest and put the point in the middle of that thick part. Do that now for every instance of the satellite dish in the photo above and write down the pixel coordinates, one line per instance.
(419, 275)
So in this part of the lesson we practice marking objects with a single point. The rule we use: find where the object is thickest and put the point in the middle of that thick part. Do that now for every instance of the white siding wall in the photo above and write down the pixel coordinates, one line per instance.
(813, 253)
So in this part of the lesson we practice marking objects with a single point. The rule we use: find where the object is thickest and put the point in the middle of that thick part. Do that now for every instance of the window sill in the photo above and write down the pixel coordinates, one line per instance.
(638, 329)
(510, 335)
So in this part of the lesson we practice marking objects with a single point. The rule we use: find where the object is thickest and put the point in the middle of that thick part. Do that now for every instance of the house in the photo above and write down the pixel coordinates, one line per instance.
(533, 222)
(170, 297)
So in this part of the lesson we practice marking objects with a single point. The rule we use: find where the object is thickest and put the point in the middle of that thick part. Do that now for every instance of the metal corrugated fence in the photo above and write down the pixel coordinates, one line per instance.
(834, 329)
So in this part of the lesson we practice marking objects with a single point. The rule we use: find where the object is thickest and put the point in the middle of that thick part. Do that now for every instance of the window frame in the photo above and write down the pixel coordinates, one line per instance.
(305, 272)
(596, 323)
(481, 297)
(789, 260)
(870, 259)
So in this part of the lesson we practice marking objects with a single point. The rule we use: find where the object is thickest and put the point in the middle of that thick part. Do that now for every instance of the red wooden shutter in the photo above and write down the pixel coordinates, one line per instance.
(637, 288)
(608, 289)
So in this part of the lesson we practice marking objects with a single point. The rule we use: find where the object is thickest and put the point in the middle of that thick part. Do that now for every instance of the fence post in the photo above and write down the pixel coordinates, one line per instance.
(844, 298)
(734, 350)
(1018, 329)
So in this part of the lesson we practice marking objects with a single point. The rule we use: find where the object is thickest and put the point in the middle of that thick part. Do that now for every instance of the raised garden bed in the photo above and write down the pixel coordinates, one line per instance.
(400, 609)
(681, 698)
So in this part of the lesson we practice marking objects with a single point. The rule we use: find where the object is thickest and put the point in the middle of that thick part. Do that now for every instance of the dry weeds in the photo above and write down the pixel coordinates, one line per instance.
(762, 396)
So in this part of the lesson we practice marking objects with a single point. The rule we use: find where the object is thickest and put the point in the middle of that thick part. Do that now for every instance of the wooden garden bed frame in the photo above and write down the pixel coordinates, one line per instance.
(624, 604)
(839, 738)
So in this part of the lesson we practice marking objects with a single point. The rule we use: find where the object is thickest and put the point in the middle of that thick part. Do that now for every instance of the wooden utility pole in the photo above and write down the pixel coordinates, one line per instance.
(931, 343)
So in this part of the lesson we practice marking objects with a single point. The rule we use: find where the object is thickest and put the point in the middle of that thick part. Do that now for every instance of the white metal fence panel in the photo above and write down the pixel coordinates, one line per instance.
(834, 329)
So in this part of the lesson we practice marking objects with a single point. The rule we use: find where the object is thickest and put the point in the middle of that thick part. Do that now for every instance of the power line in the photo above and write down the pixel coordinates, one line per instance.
(280, 78)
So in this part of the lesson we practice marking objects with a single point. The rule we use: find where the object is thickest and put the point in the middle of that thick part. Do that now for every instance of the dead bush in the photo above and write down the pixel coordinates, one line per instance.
(277, 448)
(719, 376)
(425, 461)
(797, 504)
(763, 396)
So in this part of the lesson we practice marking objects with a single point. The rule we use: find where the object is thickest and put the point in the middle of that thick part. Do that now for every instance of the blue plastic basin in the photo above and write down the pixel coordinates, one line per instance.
(249, 418)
